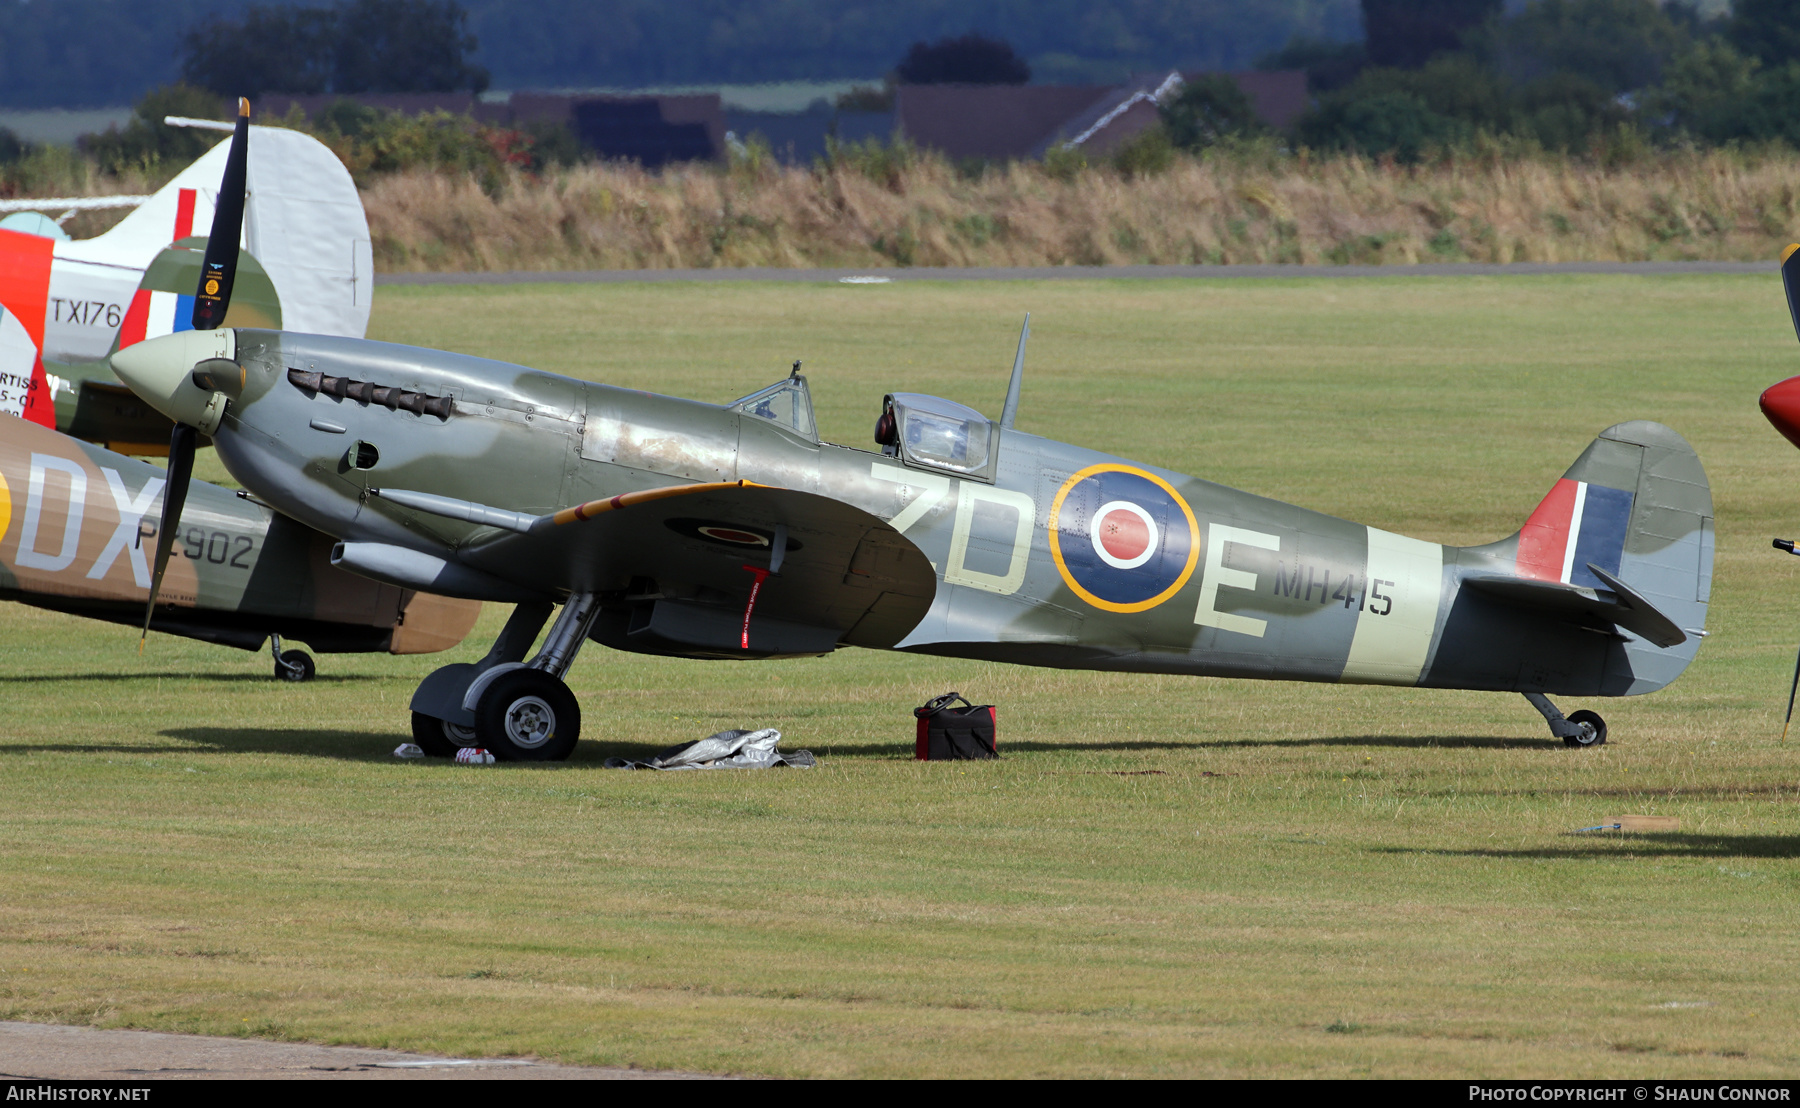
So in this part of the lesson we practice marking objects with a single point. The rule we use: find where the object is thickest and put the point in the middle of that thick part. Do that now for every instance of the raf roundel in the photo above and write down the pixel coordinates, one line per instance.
(1125, 536)
(1123, 539)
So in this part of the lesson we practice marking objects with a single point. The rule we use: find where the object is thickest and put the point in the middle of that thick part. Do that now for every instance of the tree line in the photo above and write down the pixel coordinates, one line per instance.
(73, 53)
(1564, 74)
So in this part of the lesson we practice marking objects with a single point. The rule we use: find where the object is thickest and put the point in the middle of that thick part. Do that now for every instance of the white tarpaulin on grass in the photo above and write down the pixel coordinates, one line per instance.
(725, 750)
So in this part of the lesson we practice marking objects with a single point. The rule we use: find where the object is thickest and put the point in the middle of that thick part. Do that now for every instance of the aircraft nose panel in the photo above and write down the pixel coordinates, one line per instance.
(1781, 404)
(160, 371)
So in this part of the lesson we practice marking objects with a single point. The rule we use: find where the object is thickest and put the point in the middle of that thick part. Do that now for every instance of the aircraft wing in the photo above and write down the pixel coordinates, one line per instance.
(680, 563)
(1623, 608)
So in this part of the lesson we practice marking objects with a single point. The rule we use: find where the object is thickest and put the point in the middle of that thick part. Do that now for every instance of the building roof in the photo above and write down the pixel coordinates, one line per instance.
(998, 122)
(990, 121)
(1122, 112)
(651, 130)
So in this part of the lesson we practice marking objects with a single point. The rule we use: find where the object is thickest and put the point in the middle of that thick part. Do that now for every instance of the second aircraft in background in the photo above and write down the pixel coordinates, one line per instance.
(67, 304)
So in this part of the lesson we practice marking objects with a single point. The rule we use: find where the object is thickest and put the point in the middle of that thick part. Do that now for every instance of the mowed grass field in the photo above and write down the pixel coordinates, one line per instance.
(1162, 877)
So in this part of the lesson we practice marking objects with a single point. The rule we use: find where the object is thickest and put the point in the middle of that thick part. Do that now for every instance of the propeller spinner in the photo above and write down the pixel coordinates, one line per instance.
(181, 375)
(1780, 403)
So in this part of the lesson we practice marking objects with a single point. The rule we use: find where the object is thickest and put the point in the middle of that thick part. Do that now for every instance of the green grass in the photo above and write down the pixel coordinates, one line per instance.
(1163, 876)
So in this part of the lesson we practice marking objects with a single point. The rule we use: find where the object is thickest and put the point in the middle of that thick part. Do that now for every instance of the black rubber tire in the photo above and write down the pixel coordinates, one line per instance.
(526, 715)
(428, 733)
(295, 665)
(1592, 719)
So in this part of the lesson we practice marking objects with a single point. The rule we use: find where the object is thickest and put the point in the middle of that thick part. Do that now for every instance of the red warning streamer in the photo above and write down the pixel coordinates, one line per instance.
(761, 575)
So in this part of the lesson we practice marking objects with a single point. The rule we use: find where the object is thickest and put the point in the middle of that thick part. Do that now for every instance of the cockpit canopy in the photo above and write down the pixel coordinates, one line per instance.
(787, 404)
(934, 433)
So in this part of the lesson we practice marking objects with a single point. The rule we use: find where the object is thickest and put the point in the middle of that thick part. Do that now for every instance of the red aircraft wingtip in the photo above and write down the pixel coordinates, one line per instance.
(1781, 404)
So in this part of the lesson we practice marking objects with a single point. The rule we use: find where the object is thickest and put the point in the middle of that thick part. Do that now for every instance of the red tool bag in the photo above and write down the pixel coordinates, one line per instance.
(949, 733)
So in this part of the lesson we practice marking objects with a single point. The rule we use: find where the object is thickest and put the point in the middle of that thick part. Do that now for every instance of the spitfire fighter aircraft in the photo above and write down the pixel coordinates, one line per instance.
(66, 304)
(677, 527)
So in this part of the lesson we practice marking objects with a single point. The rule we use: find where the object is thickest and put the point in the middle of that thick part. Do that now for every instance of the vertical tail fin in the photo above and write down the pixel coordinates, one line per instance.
(1637, 505)
(1635, 510)
(304, 219)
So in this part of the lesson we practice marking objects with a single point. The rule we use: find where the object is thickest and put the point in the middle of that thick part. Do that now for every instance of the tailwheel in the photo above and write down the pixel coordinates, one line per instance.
(294, 665)
(440, 738)
(527, 715)
(1593, 729)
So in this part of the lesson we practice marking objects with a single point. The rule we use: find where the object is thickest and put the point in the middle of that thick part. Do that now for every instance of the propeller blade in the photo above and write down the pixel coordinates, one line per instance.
(219, 268)
(1790, 281)
(1792, 689)
(181, 468)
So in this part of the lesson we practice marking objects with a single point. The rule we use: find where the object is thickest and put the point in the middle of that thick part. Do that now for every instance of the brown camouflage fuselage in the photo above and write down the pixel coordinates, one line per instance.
(77, 531)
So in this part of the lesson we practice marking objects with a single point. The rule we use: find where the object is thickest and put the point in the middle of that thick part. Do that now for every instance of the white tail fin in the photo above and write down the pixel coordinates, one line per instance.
(303, 220)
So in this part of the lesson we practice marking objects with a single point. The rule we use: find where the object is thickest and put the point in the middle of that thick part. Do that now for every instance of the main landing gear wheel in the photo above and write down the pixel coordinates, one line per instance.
(1593, 729)
(526, 715)
(294, 665)
(438, 738)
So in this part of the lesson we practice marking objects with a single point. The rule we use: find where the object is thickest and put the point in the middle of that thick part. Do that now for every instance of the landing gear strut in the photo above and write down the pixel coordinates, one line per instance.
(520, 711)
(440, 723)
(524, 713)
(291, 665)
(1582, 728)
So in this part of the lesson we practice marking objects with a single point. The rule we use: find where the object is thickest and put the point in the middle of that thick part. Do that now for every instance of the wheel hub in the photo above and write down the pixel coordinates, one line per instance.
(530, 722)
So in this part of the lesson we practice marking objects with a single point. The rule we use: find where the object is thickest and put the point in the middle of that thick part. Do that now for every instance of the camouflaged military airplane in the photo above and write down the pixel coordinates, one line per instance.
(677, 527)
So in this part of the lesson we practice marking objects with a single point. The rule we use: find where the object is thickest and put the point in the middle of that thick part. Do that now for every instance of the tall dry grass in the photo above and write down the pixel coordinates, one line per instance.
(920, 210)
(58, 171)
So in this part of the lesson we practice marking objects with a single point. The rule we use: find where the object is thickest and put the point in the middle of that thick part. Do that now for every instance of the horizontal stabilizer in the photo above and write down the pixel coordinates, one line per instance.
(1647, 621)
(1617, 604)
